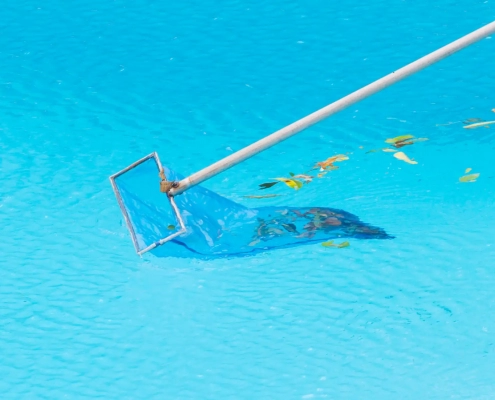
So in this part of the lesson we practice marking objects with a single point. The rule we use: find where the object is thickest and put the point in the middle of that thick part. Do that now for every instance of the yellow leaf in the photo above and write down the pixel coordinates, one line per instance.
(330, 243)
(468, 170)
(401, 156)
(479, 124)
(266, 196)
(387, 150)
(399, 139)
(292, 183)
(469, 178)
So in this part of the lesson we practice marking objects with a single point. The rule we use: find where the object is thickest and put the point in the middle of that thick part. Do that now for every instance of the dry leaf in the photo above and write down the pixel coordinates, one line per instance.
(479, 125)
(321, 174)
(401, 156)
(328, 163)
(304, 177)
(493, 109)
(388, 150)
(469, 178)
(265, 196)
(468, 170)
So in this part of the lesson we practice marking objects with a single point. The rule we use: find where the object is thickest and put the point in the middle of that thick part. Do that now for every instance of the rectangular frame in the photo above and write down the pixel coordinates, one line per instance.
(112, 178)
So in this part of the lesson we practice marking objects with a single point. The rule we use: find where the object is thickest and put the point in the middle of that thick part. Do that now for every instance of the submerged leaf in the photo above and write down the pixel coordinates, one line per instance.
(290, 228)
(267, 185)
(472, 120)
(265, 196)
(468, 170)
(493, 109)
(403, 157)
(171, 227)
(388, 150)
(469, 178)
(399, 139)
(330, 243)
(321, 174)
(254, 242)
(292, 183)
(479, 125)
(371, 151)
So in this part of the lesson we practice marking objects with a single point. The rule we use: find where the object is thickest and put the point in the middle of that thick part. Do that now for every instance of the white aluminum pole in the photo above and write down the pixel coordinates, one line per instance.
(358, 95)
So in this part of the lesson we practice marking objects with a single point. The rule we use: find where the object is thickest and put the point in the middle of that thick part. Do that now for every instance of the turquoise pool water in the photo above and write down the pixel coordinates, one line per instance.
(89, 87)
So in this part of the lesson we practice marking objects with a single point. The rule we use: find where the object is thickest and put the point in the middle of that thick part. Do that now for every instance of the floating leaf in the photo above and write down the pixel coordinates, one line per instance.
(304, 177)
(403, 157)
(292, 183)
(343, 244)
(468, 170)
(399, 139)
(265, 196)
(171, 227)
(479, 125)
(469, 178)
(388, 150)
(328, 163)
(267, 185)
(321, 174)
(328, 244)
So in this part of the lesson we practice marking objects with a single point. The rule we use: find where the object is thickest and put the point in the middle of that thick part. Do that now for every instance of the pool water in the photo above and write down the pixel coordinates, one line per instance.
(89, 87)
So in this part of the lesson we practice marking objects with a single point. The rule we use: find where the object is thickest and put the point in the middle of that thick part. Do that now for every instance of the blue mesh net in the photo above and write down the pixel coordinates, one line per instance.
(216, 226)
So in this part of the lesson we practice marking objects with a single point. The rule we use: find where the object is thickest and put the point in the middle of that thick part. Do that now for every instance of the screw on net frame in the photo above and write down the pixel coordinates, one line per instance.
(147, 193)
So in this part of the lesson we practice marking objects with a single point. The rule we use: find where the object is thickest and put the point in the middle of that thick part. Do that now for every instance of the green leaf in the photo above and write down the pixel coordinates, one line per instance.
(171, 227)
(399, 139)
(469, 178)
